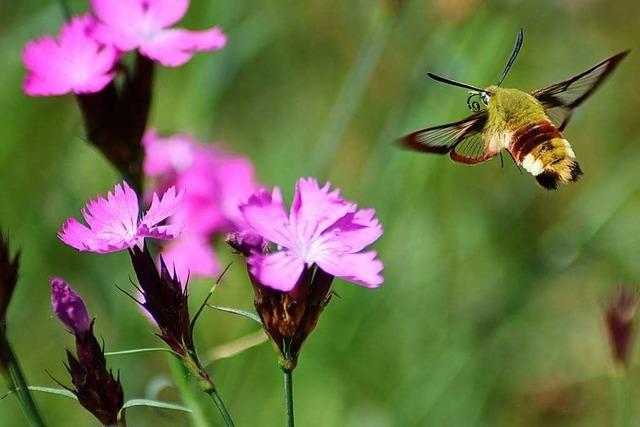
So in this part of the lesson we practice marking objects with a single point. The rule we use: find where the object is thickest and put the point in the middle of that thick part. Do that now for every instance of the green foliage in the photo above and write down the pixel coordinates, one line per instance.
(490, 314)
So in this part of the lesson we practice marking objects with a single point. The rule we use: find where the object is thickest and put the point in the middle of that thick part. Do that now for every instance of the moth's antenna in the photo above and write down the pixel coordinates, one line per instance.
(455, 83)
(513, 56)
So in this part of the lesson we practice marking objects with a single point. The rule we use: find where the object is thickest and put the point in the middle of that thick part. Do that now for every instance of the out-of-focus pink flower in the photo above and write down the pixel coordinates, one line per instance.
(321, 228)
(237, 184)
(144, 25)
(168, 155)
(191, 255)
(114, 222)
(217, 182)
(73, 63)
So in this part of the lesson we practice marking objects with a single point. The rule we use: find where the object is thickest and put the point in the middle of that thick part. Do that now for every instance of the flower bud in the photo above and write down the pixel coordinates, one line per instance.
(69, 307)
(245, 242)
(620, 322)
(94, 385)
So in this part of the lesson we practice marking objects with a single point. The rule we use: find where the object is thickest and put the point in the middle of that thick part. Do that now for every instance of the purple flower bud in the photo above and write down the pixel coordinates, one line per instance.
(69, 307)
(620, 318)
(246, 242)
(93, 383)
(167, 301)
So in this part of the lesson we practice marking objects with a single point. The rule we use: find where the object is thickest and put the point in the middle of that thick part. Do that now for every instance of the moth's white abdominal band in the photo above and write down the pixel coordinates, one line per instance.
(532, 165)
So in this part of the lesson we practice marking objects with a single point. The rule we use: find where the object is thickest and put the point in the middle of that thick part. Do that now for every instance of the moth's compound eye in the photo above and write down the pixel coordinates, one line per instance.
(485, 98)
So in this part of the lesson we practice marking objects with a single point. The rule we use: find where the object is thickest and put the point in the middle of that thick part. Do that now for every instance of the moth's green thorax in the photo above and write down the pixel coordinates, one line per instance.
(510, 109)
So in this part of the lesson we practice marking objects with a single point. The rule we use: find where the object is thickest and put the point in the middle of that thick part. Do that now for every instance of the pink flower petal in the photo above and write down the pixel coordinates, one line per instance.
(314, 209)
(237, 178)
(265, 214)
(280, 270)
(75, 62)
(165, 13)
(173, 48)
(165, 155)
(120, 22)
(361, 268)
(351, 233)
(191, 255)
(143, 25)
(323, 229)
(161, 209)
(113, 222)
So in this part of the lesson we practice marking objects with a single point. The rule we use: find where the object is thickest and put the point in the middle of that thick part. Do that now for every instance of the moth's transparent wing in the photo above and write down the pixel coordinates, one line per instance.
(560, 99)
(472, 150)
(462, 139)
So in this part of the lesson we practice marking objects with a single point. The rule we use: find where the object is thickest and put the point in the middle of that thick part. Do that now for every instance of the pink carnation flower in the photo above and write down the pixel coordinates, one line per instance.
(321, 228)
(143, 25)
(73, 63)
(115, 224)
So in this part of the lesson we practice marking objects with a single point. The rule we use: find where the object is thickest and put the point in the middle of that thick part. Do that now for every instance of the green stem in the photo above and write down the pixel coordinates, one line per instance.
(623, 393)
(223, 409)
(18, 383)
(122, 420)
(181, 378)
(288, 395)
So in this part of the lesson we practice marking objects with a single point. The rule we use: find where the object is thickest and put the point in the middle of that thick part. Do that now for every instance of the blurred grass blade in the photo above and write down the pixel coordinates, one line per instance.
(155, 404)
(352, 91)
(236, 347)
(239, 312)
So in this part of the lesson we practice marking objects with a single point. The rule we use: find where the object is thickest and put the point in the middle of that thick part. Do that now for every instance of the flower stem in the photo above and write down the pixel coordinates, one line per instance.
(288, 395)
(223, 409)
(199, 416)
(18, 384)
(623, 389)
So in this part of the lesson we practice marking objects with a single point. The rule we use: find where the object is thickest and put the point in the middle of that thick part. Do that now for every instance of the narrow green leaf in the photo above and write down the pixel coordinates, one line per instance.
(155, 404)
(140, 350)
(244, 313)
(50, 390)
(208, 297)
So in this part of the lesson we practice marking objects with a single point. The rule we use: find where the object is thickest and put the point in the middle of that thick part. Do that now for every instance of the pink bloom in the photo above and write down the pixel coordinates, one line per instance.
(72, 63)
(115, 224)
(143, 25)
(191, 255)
(321, 229)
(172, 154)
(217, 181)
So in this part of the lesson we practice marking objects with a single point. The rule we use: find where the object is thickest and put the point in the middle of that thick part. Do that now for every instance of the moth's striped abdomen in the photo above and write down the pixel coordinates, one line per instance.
(541, 150)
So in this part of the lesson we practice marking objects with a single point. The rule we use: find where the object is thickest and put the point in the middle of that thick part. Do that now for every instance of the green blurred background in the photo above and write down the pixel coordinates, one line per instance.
(490, 314)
